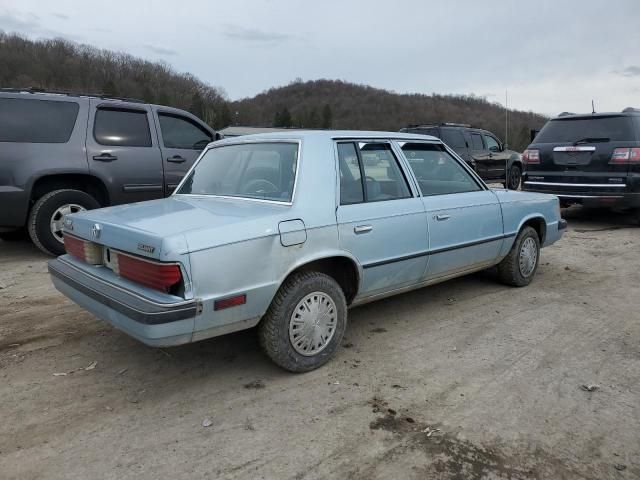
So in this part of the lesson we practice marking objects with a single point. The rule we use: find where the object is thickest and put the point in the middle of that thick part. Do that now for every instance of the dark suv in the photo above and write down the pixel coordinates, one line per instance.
(61, 153)
(480, 149)
(591, 159)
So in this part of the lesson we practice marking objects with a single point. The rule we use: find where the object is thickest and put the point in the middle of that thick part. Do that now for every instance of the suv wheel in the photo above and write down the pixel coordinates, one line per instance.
(45, 219)
(520, 265)
(305, 322)
(514, 177)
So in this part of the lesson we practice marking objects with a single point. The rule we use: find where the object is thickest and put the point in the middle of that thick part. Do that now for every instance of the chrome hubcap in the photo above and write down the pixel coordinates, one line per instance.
(528, 257)
(58, 217)
(313, 324)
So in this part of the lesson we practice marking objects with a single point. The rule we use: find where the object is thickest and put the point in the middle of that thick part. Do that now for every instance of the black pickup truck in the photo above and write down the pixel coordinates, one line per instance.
(62, 153)
(481, 149)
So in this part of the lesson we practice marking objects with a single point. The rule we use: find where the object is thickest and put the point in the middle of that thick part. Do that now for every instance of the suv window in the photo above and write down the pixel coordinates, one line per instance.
(437, 172)
(453, 138)
(180, 132)
(36, 121)
(618, 128)
(492, 143)
(476, 139)
(126, 128)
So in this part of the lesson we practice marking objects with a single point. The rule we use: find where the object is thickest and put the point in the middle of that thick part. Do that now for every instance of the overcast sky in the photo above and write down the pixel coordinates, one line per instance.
(551, 56)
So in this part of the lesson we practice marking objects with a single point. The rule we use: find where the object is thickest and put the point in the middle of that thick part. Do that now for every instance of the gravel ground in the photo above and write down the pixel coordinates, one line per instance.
(464, 380)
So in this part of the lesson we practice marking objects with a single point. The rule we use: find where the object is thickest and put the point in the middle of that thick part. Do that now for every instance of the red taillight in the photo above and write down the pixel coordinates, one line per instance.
(230, 302)
(624, 156)
(84, 250)
(531, 157)
(160, 276)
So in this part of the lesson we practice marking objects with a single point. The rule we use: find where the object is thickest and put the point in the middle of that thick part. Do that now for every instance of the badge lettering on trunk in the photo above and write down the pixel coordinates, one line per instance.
(96, 230)
(146, 248)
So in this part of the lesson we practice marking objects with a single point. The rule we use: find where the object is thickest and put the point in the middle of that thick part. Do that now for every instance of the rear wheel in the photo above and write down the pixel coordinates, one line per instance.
(47, 215)
(513, 178)
(520, 265)
(305, 322)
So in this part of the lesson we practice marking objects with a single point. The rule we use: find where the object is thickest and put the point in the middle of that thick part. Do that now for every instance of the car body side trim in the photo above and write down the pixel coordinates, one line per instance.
(599, 185)
(439, 250)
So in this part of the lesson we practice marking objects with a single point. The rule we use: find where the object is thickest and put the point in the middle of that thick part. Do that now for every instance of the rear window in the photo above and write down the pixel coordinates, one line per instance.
(600, 128)
(36, 121)
(127, 128)
(453, 138)
(265, 171)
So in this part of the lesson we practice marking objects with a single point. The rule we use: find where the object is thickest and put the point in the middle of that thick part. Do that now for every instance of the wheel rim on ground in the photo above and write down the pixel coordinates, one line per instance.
(313, 324)
(58, 217)
(528, 257)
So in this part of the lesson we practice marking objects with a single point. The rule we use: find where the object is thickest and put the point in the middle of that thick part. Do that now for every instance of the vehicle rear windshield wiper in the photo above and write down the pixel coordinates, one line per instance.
(591, 140)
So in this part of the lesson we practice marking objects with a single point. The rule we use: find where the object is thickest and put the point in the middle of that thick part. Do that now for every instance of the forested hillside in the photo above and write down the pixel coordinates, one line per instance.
(343, 105)
(62, 65)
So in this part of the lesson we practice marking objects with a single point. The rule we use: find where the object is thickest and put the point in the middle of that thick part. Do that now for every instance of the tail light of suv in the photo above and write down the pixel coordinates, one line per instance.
(531, 157)
(624, 156)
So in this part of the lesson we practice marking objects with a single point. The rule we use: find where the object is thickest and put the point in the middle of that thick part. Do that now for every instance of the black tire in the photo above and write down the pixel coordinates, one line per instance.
(273, 330)
(509, 270)
(42, 212)
(14, 235)
(514, 177)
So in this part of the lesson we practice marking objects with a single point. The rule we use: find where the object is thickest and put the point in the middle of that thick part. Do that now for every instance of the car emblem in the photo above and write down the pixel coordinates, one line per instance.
(68, 224)
(146, 248)
(96, 230)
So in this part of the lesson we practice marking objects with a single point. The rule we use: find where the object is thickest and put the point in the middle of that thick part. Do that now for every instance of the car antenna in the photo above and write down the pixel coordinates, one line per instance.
(506, 137)
(593, 107)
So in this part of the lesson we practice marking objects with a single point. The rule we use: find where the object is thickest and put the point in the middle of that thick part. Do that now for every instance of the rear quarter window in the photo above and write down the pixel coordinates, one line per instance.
(36, 121)
(614, 129)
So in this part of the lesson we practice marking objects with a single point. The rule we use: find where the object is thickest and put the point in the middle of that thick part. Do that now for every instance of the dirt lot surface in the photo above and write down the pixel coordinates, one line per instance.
(464, 380)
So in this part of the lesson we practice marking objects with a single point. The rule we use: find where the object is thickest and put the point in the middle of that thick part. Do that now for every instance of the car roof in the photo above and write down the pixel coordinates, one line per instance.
(295, 134)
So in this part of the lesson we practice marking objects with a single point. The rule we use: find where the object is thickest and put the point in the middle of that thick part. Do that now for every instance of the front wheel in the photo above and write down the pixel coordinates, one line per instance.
(305, 322)
(47, 215)
(514, 177)
(520, 265)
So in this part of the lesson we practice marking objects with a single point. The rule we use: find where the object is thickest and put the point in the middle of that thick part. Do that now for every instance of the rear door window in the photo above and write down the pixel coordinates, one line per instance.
(382, 175)
(437, 172)
(597, 129)
(180, 132)
(121, 127)
(36, 121)
(476, 140)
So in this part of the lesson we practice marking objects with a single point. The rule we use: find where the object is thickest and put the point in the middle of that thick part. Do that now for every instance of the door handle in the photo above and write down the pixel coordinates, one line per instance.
(105, 157)
(176, 159)
(362, 229)
(441, 218)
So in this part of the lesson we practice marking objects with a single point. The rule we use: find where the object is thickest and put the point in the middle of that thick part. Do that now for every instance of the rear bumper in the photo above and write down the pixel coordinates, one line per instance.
(588, 196)
(151, 322)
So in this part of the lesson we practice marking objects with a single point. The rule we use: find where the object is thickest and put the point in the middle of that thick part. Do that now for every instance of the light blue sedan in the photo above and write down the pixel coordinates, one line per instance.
(288, 230)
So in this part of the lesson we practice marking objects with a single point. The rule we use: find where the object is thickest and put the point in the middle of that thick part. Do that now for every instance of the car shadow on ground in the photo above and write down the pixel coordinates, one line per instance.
(583, 219)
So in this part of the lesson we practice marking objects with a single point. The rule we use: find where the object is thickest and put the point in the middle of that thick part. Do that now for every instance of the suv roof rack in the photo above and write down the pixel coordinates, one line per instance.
(70, 94)
(442, 124)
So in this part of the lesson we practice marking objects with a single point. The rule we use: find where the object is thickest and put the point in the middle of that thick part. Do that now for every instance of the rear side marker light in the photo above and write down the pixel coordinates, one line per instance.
(230, 302)
(531, 157)
(624, 156)
(84, 250)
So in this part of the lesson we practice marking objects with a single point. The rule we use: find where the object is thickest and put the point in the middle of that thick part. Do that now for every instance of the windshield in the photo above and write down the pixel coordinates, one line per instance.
(263, 171)
(586, 129)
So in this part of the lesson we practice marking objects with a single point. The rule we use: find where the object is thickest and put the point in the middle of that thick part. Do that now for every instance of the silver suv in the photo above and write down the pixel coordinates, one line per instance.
(62, 153)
